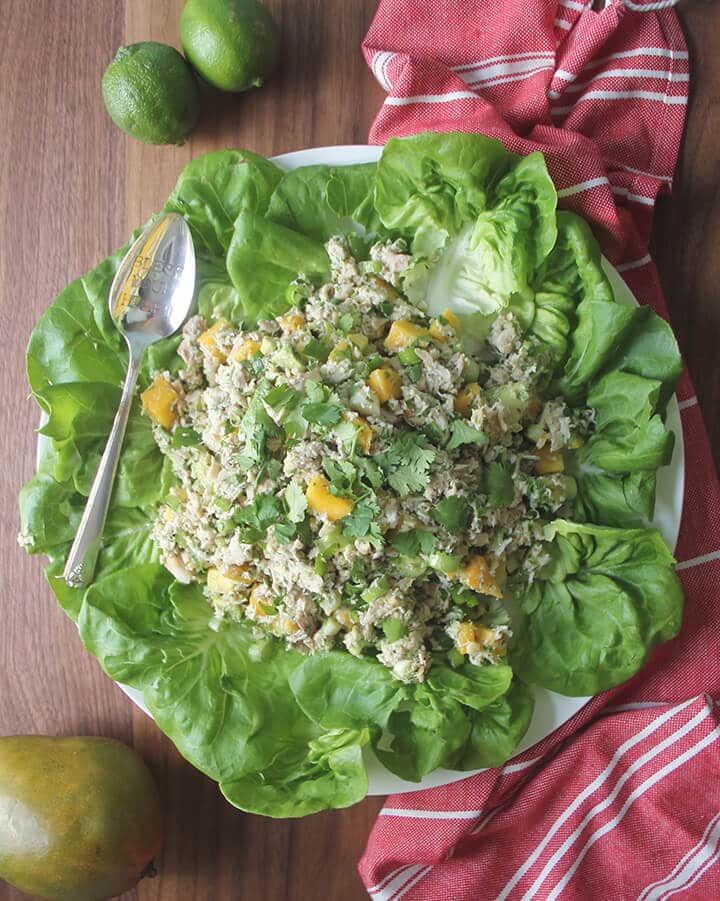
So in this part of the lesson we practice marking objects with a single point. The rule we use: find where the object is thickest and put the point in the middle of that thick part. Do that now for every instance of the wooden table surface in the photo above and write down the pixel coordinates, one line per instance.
(71, 189)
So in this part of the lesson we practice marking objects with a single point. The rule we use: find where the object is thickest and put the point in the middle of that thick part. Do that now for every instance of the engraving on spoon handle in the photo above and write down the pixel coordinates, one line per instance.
(80, 564)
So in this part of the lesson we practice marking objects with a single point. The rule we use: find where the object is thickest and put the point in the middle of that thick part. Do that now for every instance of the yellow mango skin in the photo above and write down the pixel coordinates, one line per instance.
(159, 402)
(320, 500)
(80, 818)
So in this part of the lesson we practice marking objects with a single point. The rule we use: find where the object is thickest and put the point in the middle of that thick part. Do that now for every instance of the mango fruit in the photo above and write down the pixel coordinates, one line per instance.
(80, 818)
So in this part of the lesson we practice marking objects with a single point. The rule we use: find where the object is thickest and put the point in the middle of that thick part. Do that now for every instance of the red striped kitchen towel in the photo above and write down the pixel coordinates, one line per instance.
(624, 800)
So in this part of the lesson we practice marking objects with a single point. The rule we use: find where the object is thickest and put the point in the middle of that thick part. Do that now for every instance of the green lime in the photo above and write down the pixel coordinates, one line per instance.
(151, 93)
(233, 44)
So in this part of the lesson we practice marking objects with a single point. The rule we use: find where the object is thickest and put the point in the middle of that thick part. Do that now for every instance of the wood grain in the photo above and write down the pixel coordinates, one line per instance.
(71, 188)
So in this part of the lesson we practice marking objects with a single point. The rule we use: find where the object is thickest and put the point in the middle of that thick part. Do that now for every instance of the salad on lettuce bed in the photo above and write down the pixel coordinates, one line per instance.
(408, 395)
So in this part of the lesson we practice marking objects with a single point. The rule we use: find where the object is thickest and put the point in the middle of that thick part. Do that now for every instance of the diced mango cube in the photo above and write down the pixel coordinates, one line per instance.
(239, 573)
(209, 337)
(255, 603)
(246, 349)
(437, 328)
(344, 617)
(465, 636)
(220, 583)
(484, 636)
(287, 626)
(160, 402)
(403, 333)
(292, 321)
(364, 430)
(549, 462)
(466, 397)
(321, 500)
(476, 575)
(386, 384)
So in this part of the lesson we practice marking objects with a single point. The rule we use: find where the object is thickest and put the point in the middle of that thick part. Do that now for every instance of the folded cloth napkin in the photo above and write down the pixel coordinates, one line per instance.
(623, 801)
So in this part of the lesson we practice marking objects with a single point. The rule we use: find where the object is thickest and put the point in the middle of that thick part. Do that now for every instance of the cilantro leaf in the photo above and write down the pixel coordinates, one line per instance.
(296, 502)
(285, 532)
(501, 489)
(369, 470)
(255, 427)
(413, 542)
(282, 397)
(323, 413)
(316, 350)
(407, 463)
(452, 513)
(315, 392)
(462, 433)
(258, 516)
(342, 475)
(357, 524)
(347, 436)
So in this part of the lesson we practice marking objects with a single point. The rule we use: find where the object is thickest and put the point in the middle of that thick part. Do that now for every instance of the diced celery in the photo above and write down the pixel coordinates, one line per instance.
(375, 590)
(445, 563)
(394, 629)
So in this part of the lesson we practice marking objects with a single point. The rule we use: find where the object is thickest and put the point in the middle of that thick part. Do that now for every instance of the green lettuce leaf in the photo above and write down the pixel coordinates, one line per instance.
(497, 729)
(80, 416)
(339, 691)
(595, 612)
(600, 334)
(222, 697)
(430, 185)
(651, 351)
(75, 339)
(483, 217)
(332, 774)
(215, 188)
(629, 436)
(126, 543)
(617, 499)
(324, 201)
(570, 273)
(264, 258)
(423, 735)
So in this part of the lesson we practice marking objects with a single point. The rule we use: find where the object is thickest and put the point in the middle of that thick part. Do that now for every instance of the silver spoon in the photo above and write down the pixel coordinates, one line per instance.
(150, 298)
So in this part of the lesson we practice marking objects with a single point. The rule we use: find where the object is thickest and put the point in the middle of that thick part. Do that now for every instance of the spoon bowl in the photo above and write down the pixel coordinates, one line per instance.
(153, 288)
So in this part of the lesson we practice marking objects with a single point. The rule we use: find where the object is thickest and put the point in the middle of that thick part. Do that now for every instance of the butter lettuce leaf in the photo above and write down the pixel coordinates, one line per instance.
(324, 201)
(221, 696)
(215, 188)
(264, 258)
(596, 611)
(496, 730)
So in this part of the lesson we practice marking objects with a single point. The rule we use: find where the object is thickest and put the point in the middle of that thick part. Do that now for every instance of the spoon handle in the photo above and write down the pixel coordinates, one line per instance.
(80, 564)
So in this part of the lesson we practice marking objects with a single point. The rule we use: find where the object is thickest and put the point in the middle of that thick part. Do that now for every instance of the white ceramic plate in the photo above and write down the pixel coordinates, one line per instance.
(551, 709)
